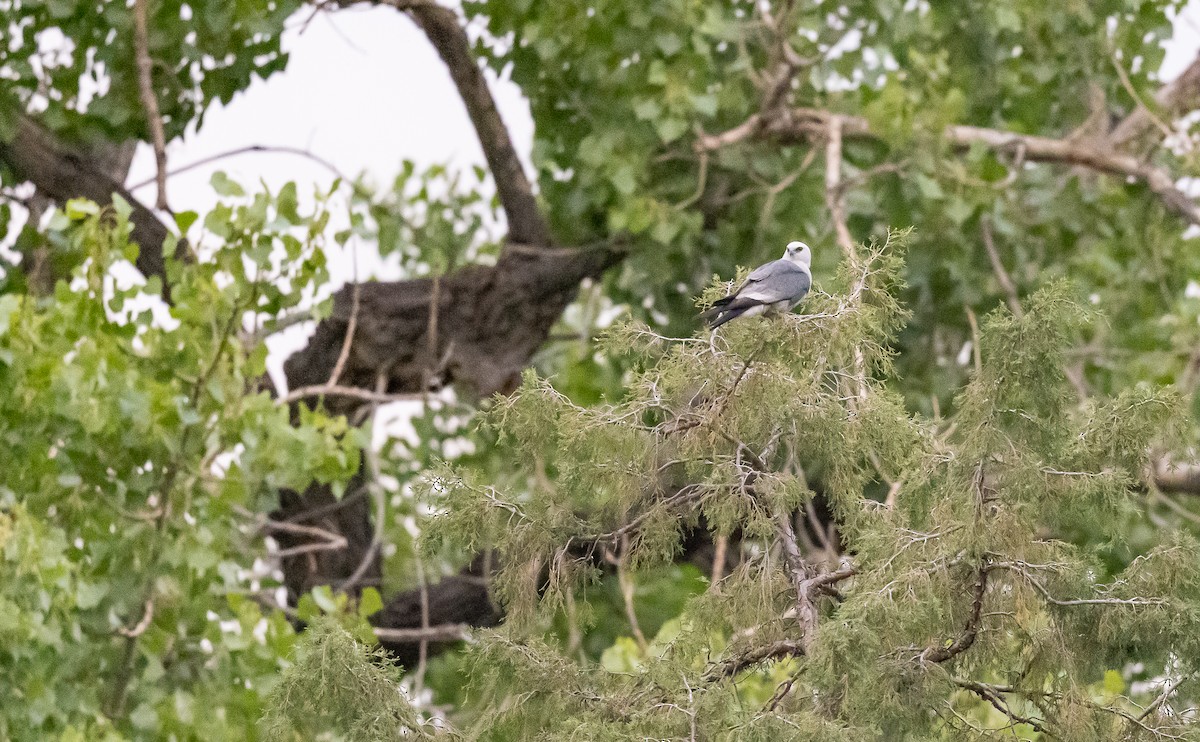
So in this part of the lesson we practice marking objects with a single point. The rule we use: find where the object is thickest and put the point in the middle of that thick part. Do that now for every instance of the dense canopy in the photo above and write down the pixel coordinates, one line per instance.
(953, 496)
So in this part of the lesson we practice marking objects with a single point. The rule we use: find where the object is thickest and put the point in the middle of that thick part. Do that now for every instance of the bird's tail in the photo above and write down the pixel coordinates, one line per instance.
(724, 310)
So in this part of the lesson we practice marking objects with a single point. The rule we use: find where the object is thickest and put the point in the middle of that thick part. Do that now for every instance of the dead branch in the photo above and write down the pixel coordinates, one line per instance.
(970, 631)
(733, 665)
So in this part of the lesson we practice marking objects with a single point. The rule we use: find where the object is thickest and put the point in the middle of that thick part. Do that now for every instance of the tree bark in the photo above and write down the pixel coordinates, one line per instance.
(61, 171)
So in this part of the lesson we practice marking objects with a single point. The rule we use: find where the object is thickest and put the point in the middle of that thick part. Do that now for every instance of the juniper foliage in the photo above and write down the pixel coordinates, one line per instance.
(962, 605)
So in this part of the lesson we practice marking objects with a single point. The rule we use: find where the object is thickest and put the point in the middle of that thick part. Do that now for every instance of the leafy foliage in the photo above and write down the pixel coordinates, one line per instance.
(938, 514)
(144, 442)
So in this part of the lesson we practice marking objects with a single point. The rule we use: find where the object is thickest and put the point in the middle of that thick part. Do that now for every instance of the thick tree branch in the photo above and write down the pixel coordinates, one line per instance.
(1173, 100)
(61, 172)
(1182, 478)
(526, 223)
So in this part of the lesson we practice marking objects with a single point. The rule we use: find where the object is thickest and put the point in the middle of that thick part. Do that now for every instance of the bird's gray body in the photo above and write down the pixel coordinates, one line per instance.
(772, 288)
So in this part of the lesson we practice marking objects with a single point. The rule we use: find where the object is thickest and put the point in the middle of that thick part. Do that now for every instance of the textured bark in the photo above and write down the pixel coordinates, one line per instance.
(61, 171)
(490, 320)
(526, 224)
(459, 599)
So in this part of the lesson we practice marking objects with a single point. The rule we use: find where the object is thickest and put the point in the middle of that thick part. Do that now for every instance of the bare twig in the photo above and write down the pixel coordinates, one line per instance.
(351, 326)
(249, 149)
(1173, 99)
(378, 494)
(450, 632)
(145, 65)
(142, 625)
(1006, 282)
(423, 587)
(628, 587)
(993, 695)
(1168, 689)
(1126, 83)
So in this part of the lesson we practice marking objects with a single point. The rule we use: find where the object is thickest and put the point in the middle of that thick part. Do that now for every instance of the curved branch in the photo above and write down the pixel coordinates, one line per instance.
(1173, 99)
(61, 172)
(808, 124)
(526, 223)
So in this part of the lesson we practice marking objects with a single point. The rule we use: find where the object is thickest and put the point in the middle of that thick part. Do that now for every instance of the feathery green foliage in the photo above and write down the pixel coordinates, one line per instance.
(963, 577)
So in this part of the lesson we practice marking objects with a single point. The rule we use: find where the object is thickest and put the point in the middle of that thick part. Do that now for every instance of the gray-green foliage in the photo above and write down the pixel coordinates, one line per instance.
(334, 682)
(734, 431)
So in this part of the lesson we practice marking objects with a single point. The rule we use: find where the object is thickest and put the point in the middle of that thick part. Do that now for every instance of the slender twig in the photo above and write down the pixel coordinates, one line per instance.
(992, 694)
(145, 65)
(628, 587)
(450, 632)
(353, 392)
(351, 326)
(248, 149)
(423, 645)
(1168, 689)
(1133, 93)
(1006, 282)
(379, 495)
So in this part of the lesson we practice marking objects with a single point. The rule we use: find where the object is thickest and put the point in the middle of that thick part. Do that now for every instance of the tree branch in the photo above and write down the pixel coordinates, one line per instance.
(737, 663)
(145, 68)
(442, 27)
(807, 125)
(970, 632)
(61, 172)
(1173, 99)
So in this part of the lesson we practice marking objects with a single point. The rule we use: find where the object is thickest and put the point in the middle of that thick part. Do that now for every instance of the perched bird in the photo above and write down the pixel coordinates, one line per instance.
(772, 288)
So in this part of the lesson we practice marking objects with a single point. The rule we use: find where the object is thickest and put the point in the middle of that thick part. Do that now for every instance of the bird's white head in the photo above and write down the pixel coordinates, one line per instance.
(798, 253)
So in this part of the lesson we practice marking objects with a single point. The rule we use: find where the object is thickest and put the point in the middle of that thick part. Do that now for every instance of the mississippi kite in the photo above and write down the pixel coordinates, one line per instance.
(773, 288)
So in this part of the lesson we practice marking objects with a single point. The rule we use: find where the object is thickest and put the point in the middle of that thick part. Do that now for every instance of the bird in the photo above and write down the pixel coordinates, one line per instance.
(772, 288)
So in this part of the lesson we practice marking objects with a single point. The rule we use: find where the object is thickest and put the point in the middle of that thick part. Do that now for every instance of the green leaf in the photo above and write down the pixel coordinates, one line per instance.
(325, 600)
(185, 219)
(369, 603)
(222, 184)
(80, 208)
